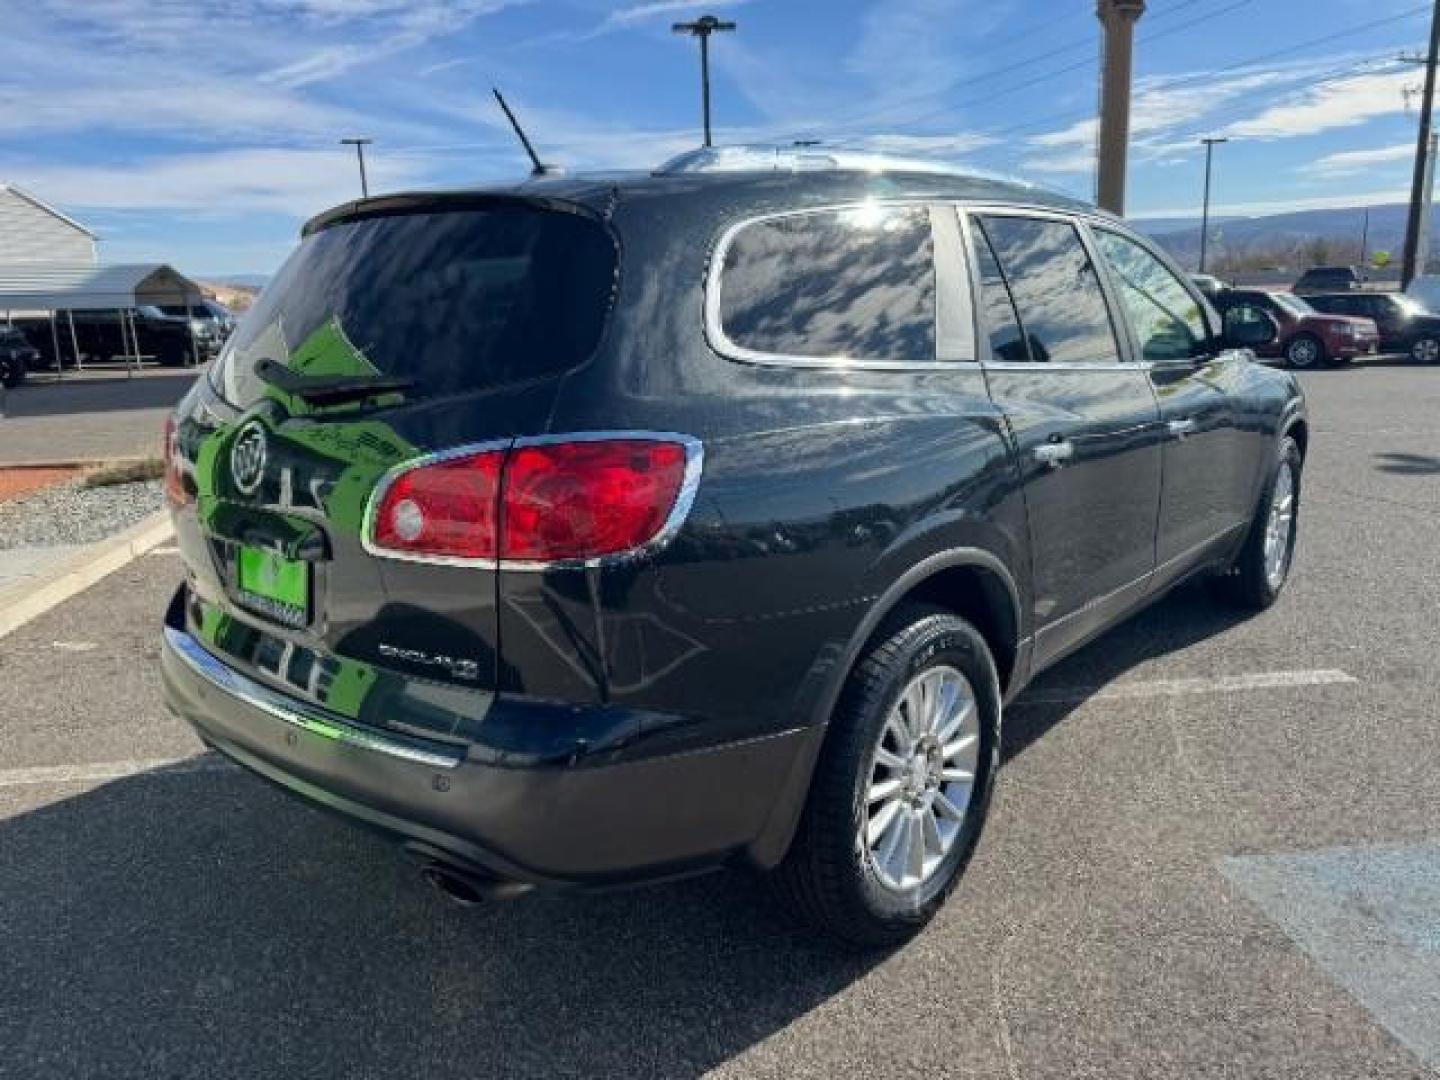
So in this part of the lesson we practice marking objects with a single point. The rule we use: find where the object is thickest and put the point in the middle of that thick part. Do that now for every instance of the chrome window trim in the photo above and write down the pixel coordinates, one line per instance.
(722, 344)
(1079, 221)
(242, 688)
(689, 485)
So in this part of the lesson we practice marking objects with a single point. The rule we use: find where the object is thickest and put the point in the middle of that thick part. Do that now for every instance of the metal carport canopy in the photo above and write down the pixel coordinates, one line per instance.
(85, 287)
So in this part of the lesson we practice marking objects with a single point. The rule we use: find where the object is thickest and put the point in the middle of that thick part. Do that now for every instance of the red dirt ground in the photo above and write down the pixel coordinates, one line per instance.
(17, 482)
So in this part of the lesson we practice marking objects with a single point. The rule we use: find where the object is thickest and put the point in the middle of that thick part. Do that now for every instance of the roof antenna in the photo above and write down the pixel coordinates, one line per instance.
(540, 168)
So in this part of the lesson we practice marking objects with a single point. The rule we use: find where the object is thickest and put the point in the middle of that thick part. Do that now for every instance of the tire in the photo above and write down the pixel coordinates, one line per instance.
(1305, 351)
(1250, 582)
(1425, 351)
(835, 879)
(12, 372)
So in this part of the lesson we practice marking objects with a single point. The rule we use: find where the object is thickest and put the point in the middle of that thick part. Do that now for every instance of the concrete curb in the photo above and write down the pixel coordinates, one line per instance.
(78, 463)
(23, 602)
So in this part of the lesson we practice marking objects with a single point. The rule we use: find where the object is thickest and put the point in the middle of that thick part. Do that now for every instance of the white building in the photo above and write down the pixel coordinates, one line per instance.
(34, 232)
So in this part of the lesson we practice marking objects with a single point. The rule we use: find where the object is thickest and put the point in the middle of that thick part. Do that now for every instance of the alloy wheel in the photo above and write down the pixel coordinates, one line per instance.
(1303, 352)
(921, 778)
(1425, 351)
(1279, 527)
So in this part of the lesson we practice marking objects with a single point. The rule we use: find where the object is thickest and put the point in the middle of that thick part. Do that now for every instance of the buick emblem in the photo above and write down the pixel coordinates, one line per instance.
(247, 457)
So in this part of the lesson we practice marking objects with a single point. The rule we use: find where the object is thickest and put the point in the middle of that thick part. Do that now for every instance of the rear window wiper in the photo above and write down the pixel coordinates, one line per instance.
(329, 389)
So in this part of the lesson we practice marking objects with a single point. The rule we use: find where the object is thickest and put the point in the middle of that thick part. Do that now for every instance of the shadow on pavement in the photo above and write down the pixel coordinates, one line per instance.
(202, 923)
(1187, 616)
(1408, 464)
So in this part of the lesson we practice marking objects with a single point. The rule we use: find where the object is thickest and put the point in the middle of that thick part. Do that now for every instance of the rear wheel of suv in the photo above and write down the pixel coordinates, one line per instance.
(1263, 566)
(901, 790)
(1425, 351)
(1305, 351)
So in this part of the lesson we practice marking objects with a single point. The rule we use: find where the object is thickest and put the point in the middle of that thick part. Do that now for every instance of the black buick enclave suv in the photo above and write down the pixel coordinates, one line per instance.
(590, 530)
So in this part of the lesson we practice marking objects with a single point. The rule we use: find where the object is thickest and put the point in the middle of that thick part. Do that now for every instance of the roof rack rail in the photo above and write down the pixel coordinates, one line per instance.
(810, 156)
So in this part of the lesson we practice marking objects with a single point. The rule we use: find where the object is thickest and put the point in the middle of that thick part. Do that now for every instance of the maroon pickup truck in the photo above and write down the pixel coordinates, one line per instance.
(1308, 338)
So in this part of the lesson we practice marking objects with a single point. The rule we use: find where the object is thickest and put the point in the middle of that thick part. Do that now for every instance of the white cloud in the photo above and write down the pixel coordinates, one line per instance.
(296, 182)
(1353, 161)
(1337, 104)
(640, 12)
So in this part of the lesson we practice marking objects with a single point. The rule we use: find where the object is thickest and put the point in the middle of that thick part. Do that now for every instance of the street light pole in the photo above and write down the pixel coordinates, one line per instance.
(702, 28)
(1209, 145)
(360, 145)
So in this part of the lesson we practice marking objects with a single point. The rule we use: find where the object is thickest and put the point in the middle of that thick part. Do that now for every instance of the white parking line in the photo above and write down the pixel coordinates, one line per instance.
(1220, 684)
(167, 549)
(107, 770)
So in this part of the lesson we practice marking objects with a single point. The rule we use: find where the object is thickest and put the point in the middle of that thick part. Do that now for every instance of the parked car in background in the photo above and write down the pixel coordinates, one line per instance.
(101, 336)
(1208, 284)
(211, 319)
(1307, 337)
(591, 569)
(1320, 279)
(17, 356)
(1425, 291)
(1404, 324)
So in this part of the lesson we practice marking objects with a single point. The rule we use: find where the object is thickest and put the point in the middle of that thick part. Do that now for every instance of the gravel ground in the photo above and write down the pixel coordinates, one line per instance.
(71, 514)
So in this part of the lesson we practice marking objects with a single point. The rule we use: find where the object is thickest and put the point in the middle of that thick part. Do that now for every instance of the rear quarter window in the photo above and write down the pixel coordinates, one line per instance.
(849, 284)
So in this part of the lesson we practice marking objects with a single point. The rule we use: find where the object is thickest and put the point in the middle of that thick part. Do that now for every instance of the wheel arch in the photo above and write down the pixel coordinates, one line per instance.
(970, 582)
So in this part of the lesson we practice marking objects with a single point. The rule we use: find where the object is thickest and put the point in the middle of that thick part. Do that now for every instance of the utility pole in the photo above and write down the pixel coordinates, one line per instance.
(1427, 198)
(1422, 156)
(360, 145)
(702, 28)
(1365, 240)
(1118, 17)
(1210, 144)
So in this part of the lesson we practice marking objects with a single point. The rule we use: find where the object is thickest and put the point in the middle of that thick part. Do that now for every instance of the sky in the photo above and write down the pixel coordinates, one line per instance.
(204, 132)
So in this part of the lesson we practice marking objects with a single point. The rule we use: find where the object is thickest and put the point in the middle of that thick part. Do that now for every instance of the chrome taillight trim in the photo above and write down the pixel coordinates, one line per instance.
(689, 485)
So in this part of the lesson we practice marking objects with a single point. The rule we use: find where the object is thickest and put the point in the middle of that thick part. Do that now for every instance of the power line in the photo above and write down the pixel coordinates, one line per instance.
(1050, 118)
(1088, 42)
(1086, 63)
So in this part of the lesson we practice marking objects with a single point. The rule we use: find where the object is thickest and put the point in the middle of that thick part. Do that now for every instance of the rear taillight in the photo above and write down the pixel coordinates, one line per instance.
(175, 490)
(445, 509)
(536, 503)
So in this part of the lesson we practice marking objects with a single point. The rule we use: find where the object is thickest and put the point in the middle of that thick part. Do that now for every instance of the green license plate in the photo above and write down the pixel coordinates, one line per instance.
(275, 585)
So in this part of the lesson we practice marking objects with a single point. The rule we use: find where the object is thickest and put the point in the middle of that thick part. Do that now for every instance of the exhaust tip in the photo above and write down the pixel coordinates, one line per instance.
(455, 886)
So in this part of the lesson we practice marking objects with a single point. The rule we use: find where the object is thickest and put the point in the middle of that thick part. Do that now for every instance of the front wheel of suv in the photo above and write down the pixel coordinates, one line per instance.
(1263, 565)
(901, 789)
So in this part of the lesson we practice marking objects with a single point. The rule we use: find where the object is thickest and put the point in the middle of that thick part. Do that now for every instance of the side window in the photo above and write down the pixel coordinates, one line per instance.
(854, 284)
(1056, 291)
(1165, 317)
(997, 306)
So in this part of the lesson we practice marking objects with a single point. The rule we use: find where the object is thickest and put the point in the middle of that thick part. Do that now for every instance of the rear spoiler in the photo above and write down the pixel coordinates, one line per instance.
(429, 202)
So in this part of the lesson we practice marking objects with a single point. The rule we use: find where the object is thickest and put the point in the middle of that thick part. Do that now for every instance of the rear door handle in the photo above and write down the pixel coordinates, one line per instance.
(1181, 428)
(1055, 454)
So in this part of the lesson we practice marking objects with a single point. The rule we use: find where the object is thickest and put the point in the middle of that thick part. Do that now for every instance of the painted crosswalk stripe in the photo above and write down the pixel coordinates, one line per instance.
(1219, 684)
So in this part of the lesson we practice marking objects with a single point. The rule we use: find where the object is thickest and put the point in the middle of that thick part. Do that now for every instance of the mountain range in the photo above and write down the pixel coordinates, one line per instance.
(1286, 236)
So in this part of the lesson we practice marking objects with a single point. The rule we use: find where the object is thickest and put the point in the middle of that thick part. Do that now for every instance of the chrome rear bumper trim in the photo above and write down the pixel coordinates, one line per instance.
(247, 690)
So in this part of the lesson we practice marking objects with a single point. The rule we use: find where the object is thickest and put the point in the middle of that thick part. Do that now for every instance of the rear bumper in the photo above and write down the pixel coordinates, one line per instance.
(629, 818)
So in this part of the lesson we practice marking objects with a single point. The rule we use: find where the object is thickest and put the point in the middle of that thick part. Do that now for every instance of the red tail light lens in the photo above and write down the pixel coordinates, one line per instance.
(175, 490)
(581, 500)
(540, 503)
(447, 509)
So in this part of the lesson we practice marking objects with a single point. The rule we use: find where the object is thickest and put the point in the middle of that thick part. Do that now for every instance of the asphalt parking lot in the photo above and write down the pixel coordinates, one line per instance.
(1215, 852)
